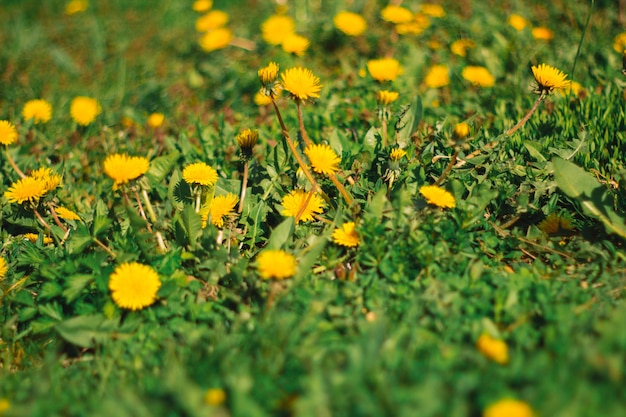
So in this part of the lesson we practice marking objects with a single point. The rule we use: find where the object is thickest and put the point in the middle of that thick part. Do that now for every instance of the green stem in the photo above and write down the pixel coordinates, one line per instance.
(525, 118)
(13, 164)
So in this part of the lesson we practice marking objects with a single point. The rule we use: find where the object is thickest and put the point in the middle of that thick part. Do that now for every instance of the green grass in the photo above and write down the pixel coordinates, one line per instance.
(387, 328)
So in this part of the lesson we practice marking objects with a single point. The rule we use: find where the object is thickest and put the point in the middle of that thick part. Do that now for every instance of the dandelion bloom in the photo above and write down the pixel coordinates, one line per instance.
(478, 76)
(295, 44)
(346, 235)
(202, 6)
(438, 76)
(268, 74)
(123, 168)
(155, 120)
(323, 159)
(494, 349)
(619, 43)
(384, 69)
(200, 173)
(276, 263)
(4, 267)
(246, 139)
(84, 110)
(386, 97)
(396, 14)
(215, 39)
(295, 201)
(50, 179)
(437, 196)
(213, 20)
(397, 154)
(277, 28)
(518, 22)
(26, 189)
(134, 286)
(542, 34)
(461, 130)
(214, 396)
(509, 407)
(8, 133)
(301, 83)
(549, 78)
(40, 111)
(432, 10)
(66, 214)
(419, 24)
(352, 24)
(460, 47)
(222, 206)
(76, 6)
(33, 237)
(262, 99)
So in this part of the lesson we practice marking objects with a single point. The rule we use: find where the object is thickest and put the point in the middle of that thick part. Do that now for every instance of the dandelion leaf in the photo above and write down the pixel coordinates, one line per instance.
(86, 331)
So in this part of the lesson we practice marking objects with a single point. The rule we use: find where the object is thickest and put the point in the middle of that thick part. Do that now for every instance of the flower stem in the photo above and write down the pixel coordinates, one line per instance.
(384, 131)
(146, 199)
(446, 171)
(141, 211)
(305, 137)
(525, 118)
(41, 220)
(244, 186)
(13, 164)
(56, 219)
(346, 195)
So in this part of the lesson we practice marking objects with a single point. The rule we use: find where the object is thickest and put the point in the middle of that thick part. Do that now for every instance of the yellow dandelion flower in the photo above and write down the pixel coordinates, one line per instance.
(346, 235)
(50, 178)
(277, 28)
(215, 39)
(301, 83)
(323, 159)
(4, 268)
(66, 214)
(542, 34)
(222, 206)
(478, 76)
(419, 24)
(84, 110)
(268, 74)
(397, 154)
(461, 130)
(76, 6)
(202, 6)
(432, 10)
(509, 407)
(295, 201)
(437, 76)
(384, 69)
(214, 396)
(386, 97)
(352, 24)
(460, 47)
(247, 139)
(518, 22)
(275, 263)
(33, 237)
(134, 286)
(619, 43)
(200, 173)
(549, 78)
(26, 189)
(494, 349)
(155, 120)
(40, 111)
(261, 99)
(8, 133)
(396, 14)
(212, 20)
(295, 44)
(437, 196)
(123, 168)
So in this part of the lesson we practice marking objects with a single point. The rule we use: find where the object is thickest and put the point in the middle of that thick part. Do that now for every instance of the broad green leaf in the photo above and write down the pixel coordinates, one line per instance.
(311, 253)
(75, 285)
(86, 331)
(534, 152)
(281, 234)
(79, 240)
(161, 166)
(407, 122)
(191, 223)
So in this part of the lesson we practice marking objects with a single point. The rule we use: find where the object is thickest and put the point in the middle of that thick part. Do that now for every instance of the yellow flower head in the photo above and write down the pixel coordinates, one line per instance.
(460, 47)
(518, 22)
(134, 286)
(549, 78)
(222, 206)
(437, 196)
(246, 139)
(84, 110)
(202, 6)
(619, 43)
(346, 235)
(323, 159)
(213, 20)
(301, 83)
(275, 263)
(277, 28)
(461, 130)
(214, 396)
(419, 24)
(494, 349)
(26, 189)
(384, 69)
(438, 76)
(295, 44)
(4, 268)
(509, 407)
(267, 75)
(50, 178)
(542, 34)
(33, 237)
(200, 173)
(295, 201)
(76, 6)
(478, 76)
(156, 120)
(123, 168)
(215, 39)
(397, 154)
(40, 111)
(385, 97)
(433, 10)
(396, 14)
(262, 99)
(8, 133)
(66, 214)
(352, 24)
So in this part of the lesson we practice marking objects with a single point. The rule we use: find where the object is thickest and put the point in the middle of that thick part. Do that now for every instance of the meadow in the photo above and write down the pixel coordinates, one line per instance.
(312, 208)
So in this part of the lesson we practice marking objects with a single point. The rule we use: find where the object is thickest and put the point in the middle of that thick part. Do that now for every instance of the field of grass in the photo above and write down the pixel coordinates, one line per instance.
(441, 236)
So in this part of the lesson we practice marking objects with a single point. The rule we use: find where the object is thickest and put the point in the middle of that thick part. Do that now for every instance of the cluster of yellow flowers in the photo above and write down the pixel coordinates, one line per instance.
(212, 26)
(83, 110)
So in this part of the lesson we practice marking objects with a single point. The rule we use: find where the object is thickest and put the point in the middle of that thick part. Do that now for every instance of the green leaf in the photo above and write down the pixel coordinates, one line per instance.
(534, 152)
(311, 253)
(75, 285)
(407, 122)
(79, 240)
(161, 166)
(376, 205)
(191, 223)
(85, 331)
(281, 234)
